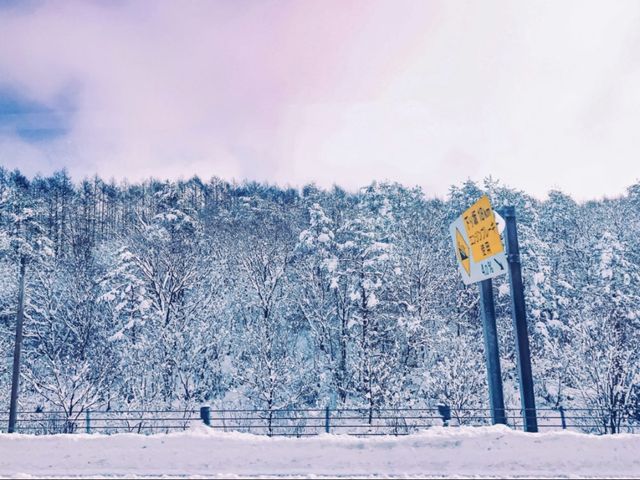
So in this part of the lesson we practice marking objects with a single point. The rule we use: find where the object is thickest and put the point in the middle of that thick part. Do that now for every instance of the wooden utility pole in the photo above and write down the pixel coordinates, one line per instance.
(15, 379)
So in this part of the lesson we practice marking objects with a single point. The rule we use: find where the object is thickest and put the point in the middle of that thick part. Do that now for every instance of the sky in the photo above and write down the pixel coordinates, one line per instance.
(540, 95)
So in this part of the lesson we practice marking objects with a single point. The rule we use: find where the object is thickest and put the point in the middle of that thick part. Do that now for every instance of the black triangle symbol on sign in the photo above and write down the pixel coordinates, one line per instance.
(463, 255)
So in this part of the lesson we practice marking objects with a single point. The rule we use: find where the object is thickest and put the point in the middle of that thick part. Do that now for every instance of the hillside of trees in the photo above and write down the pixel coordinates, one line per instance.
(170, 294)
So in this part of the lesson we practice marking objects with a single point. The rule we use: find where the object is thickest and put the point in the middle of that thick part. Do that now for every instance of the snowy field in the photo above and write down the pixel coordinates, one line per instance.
(459, 452)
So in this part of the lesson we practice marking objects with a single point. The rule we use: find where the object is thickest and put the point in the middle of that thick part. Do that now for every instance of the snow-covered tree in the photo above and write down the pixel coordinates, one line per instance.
(245, 294)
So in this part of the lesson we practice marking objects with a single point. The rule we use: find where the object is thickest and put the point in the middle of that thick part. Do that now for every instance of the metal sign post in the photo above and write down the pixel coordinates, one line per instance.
(492, 355)
(518, 313)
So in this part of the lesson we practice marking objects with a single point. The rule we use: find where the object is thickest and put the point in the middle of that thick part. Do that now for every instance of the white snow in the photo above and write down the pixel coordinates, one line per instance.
(372, 300)
(126, 256)
(606, 273)
(538, 278)
(107, 297)
(324, 238)
(463, 451)
(331, 264)
(116, 336)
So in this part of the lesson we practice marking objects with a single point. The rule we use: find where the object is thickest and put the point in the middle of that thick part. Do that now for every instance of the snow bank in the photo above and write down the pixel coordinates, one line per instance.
(490, 451)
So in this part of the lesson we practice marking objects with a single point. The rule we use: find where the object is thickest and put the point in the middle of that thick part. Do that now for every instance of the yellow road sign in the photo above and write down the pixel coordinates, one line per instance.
(462, 250)
(477, 243)
(481, 229)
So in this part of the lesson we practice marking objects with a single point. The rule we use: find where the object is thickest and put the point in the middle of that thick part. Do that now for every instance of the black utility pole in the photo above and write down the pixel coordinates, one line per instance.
(15, 379)
(518, 312)
(491, 351)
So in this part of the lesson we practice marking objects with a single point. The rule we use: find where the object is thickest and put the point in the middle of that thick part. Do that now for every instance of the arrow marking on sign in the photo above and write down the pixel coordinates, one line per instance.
(499, 264)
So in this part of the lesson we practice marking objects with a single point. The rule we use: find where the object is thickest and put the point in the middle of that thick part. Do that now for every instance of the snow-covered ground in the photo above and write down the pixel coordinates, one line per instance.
(485, 452)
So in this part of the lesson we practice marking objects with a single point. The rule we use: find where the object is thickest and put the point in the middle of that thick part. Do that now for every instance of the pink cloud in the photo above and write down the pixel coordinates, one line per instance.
(341, 91)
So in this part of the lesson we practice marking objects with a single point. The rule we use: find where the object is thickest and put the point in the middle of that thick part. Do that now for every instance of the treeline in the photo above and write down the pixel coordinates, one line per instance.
(166, 294)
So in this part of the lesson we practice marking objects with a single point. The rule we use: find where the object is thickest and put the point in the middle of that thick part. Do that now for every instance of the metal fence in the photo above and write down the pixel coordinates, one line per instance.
(306, 422)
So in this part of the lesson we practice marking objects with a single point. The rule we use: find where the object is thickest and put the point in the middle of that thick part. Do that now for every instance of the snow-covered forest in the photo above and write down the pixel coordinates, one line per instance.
(169, 294)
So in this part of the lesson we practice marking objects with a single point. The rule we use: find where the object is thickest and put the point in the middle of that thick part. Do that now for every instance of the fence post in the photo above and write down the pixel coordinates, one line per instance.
(562, 419)
(326, 419)
(445, 413)
(205, 415)
(87, 423)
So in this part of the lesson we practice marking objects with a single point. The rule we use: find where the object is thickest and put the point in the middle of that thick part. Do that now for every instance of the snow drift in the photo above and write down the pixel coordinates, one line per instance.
(465, 451)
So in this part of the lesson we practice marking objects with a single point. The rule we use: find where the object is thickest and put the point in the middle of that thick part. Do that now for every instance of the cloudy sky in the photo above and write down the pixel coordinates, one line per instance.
(540, 94)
